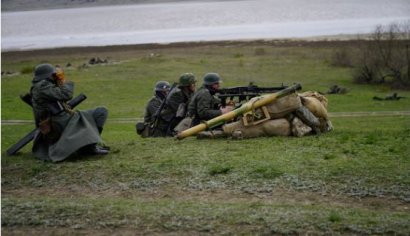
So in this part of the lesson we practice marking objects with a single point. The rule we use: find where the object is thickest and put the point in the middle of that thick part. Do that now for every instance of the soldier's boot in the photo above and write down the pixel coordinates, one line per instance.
(94, 149)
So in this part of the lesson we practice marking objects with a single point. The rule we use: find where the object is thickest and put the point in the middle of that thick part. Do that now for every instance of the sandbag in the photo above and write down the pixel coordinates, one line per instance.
(315, 106)
(276, 127)
(283, 106)
(299, 128)
(307, 117)
(322, 99)
(326, 126)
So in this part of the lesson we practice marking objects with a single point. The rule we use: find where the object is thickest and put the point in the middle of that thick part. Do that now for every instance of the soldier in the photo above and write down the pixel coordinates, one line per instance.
(62, 130)
(177, 101)
(161, 90)
(204, 105)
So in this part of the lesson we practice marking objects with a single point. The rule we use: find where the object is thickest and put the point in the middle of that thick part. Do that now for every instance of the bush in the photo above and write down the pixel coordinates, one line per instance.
(385, 58)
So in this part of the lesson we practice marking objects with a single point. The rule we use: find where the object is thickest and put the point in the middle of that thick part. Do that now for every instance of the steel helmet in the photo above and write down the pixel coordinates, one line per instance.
(187, 79)
(211, 78)
(162, 86)
(43, 71)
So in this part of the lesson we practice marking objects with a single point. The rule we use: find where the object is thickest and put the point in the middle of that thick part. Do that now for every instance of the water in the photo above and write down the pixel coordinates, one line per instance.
(196, 21)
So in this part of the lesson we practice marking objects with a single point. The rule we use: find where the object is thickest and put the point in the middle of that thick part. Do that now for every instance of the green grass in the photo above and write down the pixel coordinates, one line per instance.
(354, 180)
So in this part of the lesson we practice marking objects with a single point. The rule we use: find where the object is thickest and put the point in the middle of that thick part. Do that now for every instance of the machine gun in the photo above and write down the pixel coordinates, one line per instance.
(30, 136)
(244, 93)
(246, 107)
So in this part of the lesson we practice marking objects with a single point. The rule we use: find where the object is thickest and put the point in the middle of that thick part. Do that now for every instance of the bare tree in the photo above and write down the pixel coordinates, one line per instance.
(385, 58)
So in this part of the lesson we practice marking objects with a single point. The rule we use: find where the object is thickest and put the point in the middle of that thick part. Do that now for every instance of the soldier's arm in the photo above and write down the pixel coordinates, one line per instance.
(205, 111)
(56, 93)
(147, 115)
(153, 106)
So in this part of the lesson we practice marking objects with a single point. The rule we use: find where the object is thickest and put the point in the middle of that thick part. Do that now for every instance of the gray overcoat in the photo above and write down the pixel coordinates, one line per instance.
(74, 130)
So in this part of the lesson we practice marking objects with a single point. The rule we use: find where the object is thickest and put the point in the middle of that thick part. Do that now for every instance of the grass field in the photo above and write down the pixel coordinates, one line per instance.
(354, 180)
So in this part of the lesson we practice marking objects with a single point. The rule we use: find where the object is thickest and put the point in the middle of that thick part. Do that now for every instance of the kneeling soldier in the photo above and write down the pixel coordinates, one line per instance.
(62, 130)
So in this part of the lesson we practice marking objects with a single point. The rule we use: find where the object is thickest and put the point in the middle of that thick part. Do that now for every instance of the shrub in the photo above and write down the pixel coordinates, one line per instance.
(385, 58)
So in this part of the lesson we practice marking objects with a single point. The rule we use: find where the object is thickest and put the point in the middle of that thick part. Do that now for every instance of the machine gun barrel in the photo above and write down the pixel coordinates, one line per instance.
(245, 92)
(248, 106)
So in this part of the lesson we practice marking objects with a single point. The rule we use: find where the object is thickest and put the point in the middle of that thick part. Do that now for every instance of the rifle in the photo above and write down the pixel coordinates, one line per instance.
(30, 136)
(244, 93)
(157, 114)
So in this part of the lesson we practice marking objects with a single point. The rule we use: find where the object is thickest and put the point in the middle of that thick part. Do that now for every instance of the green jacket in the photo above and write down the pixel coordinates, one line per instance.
(72, 130)
(151, 108)
(174, 100)
(203, 105)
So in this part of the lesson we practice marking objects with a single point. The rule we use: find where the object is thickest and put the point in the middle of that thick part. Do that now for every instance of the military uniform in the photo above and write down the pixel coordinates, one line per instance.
(204, 106)
(160, 92)
(70, 130)
(152, 106)
(161, 128)
(175, 106)
(176, 99)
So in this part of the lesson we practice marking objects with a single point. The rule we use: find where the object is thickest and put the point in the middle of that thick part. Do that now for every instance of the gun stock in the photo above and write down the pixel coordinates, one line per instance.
(30, 136)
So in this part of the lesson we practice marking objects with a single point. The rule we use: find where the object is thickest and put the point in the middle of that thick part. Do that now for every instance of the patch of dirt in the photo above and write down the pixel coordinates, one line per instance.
(279, 196)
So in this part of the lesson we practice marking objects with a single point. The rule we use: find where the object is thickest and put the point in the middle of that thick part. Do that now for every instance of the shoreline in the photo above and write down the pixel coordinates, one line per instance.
(284, 42)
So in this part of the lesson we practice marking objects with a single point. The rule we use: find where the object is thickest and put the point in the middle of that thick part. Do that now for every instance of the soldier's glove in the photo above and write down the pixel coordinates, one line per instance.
(59, 76)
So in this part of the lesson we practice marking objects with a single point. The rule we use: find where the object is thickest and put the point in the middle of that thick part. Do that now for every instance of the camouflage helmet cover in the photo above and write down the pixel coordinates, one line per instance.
(187, 79)
(43, 71)
(212, 78)
(162, 86)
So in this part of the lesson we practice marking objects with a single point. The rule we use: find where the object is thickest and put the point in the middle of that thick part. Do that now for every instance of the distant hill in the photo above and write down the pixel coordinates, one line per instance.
(27, 5)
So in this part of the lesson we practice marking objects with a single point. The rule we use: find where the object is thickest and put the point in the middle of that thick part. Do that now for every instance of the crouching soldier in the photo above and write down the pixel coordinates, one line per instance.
(62, 130)
(176, 105)
(148, 128)
(204, 104)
